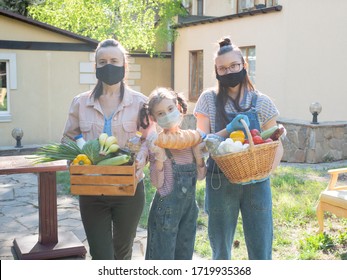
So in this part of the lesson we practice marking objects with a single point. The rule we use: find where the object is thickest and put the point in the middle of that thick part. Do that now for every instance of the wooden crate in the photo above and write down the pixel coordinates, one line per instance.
(103, 180)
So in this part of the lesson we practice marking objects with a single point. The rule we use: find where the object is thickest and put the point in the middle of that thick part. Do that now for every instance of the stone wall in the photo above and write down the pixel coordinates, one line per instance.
(306, 142)
(314, 143)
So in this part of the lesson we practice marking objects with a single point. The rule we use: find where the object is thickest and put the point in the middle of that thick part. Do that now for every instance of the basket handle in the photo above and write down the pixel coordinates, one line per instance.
(249, 135)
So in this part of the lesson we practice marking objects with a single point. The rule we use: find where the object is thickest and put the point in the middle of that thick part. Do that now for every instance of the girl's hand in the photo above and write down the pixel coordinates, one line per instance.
(159, 153)
(140, 160)
(199, 150)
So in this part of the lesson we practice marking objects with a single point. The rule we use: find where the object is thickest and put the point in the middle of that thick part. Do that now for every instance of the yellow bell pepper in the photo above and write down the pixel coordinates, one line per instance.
(81, 159)
(238, 135)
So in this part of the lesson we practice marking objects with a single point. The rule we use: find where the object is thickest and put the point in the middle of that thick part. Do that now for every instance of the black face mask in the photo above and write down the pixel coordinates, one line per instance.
(110, 74)
(232, 79)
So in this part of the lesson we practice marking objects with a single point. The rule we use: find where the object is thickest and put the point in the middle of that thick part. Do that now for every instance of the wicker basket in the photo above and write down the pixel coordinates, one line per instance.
(103, 180)
(253, 164)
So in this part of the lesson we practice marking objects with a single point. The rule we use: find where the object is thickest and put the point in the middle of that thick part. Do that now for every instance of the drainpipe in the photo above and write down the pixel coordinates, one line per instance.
(173, 65)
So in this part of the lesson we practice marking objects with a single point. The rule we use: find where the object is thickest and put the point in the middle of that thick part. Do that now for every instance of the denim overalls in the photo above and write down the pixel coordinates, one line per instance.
(172, 218)
(224, 200)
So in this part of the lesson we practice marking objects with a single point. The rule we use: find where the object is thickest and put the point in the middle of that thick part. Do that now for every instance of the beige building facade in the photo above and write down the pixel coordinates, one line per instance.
(296, 50)
(42, 68)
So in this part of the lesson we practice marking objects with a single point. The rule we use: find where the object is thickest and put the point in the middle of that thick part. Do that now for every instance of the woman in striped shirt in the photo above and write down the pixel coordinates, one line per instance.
(218, 111)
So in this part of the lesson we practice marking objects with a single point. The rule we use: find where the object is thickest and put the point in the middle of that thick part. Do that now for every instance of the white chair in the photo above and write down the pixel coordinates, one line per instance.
(333, 199)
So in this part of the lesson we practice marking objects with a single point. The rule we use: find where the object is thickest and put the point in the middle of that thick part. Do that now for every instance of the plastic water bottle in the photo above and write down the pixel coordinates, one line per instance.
(134, 143)
(80, 141)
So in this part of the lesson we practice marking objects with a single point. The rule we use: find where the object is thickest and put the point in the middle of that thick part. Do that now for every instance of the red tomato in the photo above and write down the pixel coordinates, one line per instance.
(268, 140)
(257, 140)
(254, 132)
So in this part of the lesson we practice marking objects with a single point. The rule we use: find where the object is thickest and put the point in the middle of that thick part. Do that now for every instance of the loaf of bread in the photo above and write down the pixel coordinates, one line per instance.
(180, 139)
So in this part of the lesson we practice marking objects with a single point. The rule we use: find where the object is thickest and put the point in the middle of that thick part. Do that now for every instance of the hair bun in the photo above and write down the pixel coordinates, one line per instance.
(225, 42)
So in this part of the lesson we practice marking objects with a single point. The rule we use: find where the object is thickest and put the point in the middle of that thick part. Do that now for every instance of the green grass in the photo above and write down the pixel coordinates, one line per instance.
(295, 193)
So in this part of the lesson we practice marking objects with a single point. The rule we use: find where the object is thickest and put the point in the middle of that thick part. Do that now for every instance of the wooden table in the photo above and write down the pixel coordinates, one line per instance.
(46, 244)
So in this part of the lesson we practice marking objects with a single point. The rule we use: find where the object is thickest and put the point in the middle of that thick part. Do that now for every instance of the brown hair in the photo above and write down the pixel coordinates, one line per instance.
(155, 98)
(97, 91)
(225, 46)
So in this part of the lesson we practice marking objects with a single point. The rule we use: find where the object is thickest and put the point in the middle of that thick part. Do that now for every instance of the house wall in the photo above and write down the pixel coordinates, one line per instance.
(47, 81)
(151, 72)
(300, 58)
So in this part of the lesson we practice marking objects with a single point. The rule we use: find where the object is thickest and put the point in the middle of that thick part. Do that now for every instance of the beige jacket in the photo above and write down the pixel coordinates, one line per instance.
(86, 118)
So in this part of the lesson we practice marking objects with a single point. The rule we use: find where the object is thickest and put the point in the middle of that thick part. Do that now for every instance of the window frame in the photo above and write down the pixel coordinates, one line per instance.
(200, 7)
(245, 54)
(253, 4)
(196, 68)
(11, 82)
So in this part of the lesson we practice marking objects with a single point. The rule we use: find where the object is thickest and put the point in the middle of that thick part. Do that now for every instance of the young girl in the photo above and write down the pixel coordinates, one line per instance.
(173, 213)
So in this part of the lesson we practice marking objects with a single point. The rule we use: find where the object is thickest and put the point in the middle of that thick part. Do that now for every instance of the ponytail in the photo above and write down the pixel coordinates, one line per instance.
(144, 116)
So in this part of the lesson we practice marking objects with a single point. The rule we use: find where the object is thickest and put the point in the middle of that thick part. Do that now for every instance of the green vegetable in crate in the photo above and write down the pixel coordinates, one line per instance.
(117, 160)
(110, 146)
(67, 149)
(91, 148)
(102, 139)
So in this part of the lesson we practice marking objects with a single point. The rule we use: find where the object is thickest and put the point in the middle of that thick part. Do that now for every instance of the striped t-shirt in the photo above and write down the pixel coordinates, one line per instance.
(265, 108)
(164, 180)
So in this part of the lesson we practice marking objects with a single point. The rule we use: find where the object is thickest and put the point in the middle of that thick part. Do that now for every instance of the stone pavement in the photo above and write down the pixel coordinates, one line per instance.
(19, 215)
(19, 212)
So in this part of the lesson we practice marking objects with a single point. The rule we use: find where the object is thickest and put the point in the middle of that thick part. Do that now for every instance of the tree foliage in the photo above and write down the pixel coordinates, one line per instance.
(137, 24)
(19, 7)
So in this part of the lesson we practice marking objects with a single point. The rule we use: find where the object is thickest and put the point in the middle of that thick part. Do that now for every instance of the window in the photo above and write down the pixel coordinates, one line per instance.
(200, 10)
(246, 5)
(8, 81)
(195, 74)
(3, 87)
(250, 57)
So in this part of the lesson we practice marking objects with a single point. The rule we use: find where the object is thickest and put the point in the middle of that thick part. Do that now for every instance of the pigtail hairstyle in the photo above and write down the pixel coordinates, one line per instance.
(182, 103)
(144, 116)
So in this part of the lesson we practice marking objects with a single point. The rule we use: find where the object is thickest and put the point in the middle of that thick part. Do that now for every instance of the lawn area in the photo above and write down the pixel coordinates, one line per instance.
(295, 193)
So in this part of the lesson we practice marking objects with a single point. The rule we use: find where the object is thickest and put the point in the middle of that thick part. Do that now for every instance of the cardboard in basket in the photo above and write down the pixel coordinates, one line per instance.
(103, 180)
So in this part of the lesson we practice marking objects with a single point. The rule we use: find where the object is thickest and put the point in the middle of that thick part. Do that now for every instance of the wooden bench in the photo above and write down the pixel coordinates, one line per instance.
(46, 244)
(333, 199)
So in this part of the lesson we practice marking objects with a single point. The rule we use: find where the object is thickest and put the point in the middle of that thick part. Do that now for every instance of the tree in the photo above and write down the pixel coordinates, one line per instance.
(137, 24)
(19, 7)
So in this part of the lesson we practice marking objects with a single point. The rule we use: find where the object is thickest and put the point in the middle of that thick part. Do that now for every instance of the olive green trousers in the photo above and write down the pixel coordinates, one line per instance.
(110, 223)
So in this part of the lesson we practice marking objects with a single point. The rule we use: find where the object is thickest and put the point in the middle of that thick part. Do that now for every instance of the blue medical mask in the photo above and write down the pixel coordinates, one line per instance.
(170, 120)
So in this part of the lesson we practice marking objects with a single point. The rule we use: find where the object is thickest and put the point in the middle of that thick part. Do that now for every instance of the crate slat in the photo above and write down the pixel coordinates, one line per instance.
(96, 169)
(103, 190)
(103, 180)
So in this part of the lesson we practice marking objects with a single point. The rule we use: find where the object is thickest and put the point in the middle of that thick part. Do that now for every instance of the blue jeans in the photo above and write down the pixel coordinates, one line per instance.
(224, 201)
(172, 218)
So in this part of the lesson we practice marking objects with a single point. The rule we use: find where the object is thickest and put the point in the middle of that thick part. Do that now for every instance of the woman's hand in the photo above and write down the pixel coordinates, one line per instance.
(235, 124)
